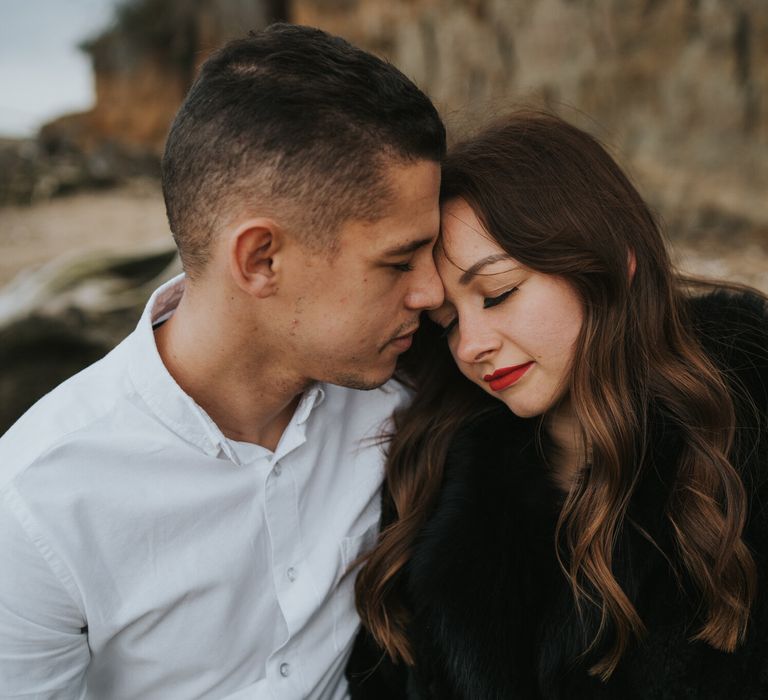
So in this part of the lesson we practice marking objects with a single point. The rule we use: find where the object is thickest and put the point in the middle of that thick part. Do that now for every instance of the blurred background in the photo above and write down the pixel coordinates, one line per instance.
(677, 89)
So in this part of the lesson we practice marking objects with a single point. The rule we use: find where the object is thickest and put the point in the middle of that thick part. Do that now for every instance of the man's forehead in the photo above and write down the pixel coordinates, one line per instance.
(411, 185)
(410, 246)
(390, 237)
(410, 218)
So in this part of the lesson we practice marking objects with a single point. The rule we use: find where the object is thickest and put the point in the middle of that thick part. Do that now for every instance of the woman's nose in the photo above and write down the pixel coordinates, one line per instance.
(477, 341)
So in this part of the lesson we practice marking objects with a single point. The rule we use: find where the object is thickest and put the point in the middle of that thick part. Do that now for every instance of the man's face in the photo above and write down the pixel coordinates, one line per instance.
(350, 315)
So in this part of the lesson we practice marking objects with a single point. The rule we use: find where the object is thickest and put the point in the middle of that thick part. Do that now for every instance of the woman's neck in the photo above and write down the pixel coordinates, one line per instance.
(569, 454)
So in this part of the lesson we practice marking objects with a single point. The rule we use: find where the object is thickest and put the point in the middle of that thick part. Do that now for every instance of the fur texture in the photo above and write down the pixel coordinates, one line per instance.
(493, 615)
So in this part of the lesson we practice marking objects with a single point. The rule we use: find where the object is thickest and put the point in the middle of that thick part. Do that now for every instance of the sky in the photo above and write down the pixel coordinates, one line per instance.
(42, 72)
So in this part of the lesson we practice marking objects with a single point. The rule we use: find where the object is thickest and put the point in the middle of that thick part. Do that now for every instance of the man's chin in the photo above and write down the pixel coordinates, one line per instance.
(364, 382)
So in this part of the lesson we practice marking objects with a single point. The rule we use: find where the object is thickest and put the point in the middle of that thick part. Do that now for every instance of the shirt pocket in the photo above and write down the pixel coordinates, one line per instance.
(346, 619)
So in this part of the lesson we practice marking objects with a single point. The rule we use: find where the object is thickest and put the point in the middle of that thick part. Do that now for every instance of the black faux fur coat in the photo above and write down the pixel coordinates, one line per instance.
(493, 616)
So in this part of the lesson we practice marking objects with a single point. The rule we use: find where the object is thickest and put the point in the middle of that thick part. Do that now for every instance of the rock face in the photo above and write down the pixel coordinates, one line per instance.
(144, 65)
(677, 88)
(33, 170)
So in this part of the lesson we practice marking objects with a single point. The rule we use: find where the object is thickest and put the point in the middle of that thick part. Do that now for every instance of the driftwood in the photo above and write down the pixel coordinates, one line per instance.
(56, 320)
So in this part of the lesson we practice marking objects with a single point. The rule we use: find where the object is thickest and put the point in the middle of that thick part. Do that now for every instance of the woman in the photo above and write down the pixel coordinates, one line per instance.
(576, 503)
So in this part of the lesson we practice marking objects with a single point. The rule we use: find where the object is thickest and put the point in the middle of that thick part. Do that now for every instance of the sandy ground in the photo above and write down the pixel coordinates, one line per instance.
(124, 220)
(132, 219)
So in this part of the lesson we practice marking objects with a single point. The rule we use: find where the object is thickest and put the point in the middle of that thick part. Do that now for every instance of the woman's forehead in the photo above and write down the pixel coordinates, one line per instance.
(463, 241)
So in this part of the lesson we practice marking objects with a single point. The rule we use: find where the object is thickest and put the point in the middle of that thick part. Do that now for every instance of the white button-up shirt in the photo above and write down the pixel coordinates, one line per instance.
(144, 555)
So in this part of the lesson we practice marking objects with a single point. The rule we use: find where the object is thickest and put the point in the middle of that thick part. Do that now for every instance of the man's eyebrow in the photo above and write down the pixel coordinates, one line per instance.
(479, 265)
(407, 248)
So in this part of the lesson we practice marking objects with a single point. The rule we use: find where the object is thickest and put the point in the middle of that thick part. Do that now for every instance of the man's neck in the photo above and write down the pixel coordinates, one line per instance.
(244, 393)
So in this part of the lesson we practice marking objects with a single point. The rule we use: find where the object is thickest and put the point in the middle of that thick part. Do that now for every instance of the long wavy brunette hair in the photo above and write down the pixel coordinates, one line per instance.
(555, 201)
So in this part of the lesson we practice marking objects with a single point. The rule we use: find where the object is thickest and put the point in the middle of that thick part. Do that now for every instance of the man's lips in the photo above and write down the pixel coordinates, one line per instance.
(506, 376)
(402, 342)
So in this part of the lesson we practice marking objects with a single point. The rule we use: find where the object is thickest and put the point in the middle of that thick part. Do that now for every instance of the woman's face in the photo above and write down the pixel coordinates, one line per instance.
(510, 329)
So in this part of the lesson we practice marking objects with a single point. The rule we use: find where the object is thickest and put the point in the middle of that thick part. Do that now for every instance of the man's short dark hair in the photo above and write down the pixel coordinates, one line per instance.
(295, 123)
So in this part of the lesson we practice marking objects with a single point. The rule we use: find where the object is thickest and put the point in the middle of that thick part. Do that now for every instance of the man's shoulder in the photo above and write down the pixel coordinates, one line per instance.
(67, 413)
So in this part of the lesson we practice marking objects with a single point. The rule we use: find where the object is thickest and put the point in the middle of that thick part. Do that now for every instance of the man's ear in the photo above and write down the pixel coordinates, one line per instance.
(252, 250)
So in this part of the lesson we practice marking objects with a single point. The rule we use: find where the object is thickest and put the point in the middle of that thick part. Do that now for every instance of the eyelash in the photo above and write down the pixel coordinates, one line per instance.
(487, 304)
(403, 267)
(493, 301)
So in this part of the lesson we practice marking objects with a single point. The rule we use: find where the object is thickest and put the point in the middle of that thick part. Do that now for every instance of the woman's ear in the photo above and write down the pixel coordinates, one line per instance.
(631, 264)
(252, 250)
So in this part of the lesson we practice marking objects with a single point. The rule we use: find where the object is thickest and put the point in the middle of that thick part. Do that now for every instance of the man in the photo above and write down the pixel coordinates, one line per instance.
(178, 520)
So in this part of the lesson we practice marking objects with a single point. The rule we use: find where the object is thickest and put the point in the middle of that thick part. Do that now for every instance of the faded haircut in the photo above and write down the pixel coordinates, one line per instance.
(296, 124)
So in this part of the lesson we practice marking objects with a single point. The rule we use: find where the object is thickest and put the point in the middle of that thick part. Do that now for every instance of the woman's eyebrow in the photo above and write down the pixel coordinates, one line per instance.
(480, 264)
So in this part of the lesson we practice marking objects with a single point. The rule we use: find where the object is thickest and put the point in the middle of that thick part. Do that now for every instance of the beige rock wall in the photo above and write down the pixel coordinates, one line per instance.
(144, 65)
(136, 106)
(677, 88)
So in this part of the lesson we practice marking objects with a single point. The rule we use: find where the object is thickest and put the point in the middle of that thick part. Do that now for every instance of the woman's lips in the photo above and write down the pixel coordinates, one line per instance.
(506, 376)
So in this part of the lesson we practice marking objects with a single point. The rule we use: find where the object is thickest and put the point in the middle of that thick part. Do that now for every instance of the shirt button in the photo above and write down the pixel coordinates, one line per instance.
(278, 470)
(292, 574)
(285, 670)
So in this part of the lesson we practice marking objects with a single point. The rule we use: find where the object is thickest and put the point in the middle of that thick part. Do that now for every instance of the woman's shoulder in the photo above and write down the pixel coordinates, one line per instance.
(731, 318)
(732, 328)
(729, 305)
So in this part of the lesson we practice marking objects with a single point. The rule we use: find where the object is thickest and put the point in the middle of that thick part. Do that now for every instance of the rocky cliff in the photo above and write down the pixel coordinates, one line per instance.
(143, 66)
(677, 88)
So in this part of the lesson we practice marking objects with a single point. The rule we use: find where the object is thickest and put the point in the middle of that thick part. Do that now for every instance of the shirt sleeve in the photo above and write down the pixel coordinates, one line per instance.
(43, 646)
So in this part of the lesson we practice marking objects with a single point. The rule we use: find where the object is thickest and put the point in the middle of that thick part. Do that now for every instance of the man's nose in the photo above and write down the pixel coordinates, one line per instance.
(427, 291)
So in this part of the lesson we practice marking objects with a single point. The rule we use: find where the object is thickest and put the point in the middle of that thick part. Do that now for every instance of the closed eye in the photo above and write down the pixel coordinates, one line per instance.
(488, 302)
(403, 267)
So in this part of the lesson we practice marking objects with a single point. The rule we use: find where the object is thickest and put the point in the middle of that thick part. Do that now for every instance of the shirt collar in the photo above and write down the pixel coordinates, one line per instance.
(177, 409)
(310, 400)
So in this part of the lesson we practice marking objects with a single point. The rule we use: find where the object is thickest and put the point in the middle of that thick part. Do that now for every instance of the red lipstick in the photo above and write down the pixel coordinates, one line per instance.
(506, 376)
